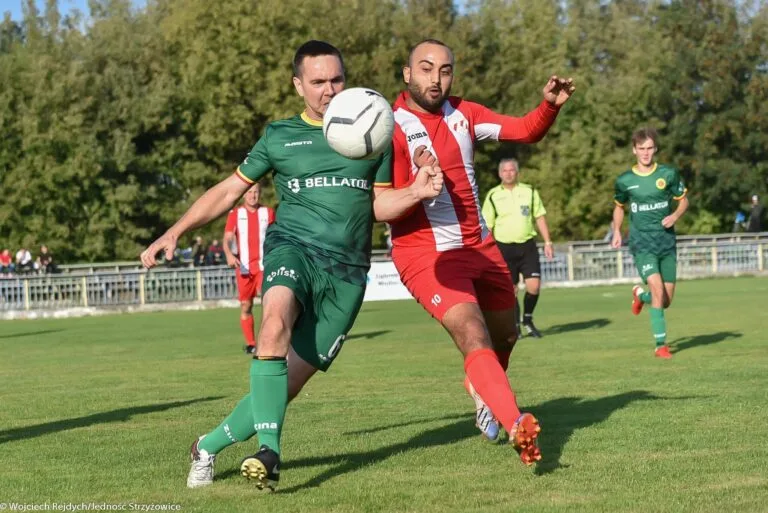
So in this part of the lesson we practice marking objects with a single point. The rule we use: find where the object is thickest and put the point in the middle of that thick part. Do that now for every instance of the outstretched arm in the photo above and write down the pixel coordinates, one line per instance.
(533, 126)
(212, 204)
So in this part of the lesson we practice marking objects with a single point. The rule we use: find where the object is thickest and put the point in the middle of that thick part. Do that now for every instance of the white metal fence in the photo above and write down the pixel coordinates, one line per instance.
(117, 288)
(134, 287)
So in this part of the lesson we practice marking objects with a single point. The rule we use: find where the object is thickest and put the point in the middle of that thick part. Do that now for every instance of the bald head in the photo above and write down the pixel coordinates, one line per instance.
(428, 46)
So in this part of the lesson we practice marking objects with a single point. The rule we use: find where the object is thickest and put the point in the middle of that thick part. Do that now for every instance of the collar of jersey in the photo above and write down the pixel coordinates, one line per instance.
(649, 173)
(310, 121)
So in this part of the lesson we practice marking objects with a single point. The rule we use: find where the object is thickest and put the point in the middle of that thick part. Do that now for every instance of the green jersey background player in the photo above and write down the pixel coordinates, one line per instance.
(649, 189)
(316, 258)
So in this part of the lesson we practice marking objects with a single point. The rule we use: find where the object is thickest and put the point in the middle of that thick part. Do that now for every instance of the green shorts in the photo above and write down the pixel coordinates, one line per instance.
(330, 305)
(648, 264)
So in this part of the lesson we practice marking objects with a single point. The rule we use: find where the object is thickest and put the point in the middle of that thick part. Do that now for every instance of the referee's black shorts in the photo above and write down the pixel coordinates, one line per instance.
(522, 258)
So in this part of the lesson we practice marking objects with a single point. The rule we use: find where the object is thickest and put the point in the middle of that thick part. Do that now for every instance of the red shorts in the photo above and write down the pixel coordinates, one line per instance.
(440, 280)
(249, 285)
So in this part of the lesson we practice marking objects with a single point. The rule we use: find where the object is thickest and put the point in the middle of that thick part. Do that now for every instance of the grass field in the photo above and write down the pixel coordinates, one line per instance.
(104, 409)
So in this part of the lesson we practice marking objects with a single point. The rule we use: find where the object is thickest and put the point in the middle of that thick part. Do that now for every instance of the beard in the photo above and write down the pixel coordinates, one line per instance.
(424, 101)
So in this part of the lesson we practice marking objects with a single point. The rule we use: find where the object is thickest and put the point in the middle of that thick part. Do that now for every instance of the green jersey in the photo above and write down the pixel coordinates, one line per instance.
(325, 199)
(650, 198)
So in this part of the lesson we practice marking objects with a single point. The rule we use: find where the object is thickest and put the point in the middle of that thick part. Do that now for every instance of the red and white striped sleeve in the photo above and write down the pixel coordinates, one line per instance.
(530, 128)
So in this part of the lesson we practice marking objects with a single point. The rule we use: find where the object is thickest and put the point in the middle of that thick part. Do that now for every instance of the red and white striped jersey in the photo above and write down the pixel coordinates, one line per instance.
(454, 218)
(250, 229)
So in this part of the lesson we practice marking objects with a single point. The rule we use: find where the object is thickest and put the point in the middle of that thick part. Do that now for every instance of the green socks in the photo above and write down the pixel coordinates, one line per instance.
(645, 297)
(658, 326)
(237, 427)
(269, 399)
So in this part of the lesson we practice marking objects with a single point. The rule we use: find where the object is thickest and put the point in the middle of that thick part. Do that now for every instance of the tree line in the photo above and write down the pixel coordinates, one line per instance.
(114, 122)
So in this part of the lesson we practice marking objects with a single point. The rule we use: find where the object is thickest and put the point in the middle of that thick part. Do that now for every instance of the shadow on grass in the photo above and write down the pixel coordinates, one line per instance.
(29, 333)
(405, 424)
(119, 415)
(352, 461)
(577, 326)
(368, 334)
(560, 419)
(681, 344)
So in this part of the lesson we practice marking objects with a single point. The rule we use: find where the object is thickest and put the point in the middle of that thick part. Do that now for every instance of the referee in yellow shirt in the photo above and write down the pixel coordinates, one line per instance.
(510, 210)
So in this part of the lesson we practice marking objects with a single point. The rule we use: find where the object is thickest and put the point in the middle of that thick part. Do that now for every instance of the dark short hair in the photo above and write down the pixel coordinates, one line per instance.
(314, 48)
(643, 134)
(425, 42)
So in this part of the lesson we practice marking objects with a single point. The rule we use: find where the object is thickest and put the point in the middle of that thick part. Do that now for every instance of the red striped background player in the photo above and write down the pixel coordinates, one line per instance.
(443, 249)
(245, 231)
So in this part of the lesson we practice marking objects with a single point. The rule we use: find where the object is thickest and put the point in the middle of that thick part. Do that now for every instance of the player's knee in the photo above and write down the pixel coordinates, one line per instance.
(272, 334)
(245, 308)
(506, 343)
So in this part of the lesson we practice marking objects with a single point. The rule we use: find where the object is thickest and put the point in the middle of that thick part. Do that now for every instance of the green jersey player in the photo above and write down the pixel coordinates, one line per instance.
(649, 189)
(316, 257)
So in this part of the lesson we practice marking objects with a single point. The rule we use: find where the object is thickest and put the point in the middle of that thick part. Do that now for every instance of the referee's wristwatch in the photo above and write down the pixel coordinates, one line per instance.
(548, 243)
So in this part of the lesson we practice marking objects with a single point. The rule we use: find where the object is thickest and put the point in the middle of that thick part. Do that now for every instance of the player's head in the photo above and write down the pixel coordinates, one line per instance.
(429, 74)
(644, 145)
(508, 170)
(318, 75)
(253, 195)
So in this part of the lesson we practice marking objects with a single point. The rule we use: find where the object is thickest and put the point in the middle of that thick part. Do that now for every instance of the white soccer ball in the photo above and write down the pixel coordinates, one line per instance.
(358, 123)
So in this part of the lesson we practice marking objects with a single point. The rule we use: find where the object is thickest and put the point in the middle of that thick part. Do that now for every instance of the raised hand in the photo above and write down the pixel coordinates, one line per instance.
(558, 90)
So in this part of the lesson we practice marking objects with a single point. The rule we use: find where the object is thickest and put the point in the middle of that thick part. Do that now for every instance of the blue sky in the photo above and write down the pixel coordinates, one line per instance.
(14, 6)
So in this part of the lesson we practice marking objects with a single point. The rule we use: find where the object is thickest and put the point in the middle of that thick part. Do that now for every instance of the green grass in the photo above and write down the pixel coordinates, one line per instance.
(104, 409)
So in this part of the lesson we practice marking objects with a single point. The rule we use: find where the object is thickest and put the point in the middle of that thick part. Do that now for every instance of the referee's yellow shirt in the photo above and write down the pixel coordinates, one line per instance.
(511, 214)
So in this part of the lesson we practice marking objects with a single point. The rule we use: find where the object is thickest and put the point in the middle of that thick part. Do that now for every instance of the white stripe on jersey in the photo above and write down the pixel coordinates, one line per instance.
(458, 124)
(486, 131)
(440, 210)
(242, 240)
(263, 224)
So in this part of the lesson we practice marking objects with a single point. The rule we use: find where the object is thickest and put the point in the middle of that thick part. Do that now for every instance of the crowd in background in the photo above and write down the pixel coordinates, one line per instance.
(24, 263)
(199, 254)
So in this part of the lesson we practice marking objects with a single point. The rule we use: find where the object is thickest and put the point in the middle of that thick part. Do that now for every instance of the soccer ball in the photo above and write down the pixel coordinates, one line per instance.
(358, 123)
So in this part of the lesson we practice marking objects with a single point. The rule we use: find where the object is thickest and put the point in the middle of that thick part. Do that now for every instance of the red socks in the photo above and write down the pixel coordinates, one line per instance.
(489, 379)
(503, 357)
(247, 326)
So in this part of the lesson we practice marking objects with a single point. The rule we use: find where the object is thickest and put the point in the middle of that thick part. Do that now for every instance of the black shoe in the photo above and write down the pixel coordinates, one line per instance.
(531, 331)
(263, 467)
(249, 349)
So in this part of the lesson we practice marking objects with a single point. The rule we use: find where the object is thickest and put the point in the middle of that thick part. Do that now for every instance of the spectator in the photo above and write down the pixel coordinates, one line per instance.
(215, 254)
(755, 221)
(198, 252)
(24, 262)
(45, 263)
(6, 263)
(738, 222)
